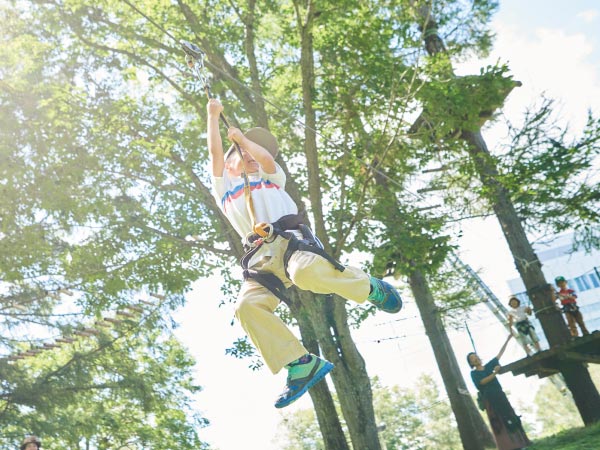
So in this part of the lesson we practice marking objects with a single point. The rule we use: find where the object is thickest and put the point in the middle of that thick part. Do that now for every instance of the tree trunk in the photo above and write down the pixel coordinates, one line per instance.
(526, 261)
(307, 69)
(576, 375)
(474, 433)
(350, 375)
(329, 316)
(327, 416)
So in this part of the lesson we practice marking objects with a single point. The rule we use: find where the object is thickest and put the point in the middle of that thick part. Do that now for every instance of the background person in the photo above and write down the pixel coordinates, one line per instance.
(31, 443)
(506, 425)
(568, 300)
(518, 315)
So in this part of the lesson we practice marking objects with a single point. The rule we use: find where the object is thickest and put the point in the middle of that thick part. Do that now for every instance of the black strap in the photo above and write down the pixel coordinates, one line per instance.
(288, 222)
(309, 243)
(303, 245)
(269, 281)
(245, 260)
(570, 308)
(524, 326)
(280, 227)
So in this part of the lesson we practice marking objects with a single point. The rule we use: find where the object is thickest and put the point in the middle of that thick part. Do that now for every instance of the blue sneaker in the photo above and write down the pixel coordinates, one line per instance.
(303, 374)
(384, 296)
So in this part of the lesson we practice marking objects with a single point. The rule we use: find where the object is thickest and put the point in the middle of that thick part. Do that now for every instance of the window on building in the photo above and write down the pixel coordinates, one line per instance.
(582, 283)
(594, 279)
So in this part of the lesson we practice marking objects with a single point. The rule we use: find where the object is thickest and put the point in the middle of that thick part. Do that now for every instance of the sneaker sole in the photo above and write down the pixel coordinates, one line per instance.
(395, 309)
(321, 373)
(392, 303)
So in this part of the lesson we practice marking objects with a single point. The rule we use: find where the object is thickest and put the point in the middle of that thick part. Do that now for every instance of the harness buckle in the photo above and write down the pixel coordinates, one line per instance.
(251, 241)
(264, 230)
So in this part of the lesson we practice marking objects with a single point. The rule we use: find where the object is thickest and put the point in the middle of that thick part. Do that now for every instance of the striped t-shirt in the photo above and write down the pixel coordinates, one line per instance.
(271, 202)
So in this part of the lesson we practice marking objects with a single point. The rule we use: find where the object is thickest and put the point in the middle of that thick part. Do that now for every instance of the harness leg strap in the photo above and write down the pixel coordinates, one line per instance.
(295, 244)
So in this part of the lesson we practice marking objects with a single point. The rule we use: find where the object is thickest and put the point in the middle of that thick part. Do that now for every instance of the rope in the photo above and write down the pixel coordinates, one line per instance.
(150, 20)
(541, 310)
(247, 188)
(195, 61)
(526, 264)
(282, 111)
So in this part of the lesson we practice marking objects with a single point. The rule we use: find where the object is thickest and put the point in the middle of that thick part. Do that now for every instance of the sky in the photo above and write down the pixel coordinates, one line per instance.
(553, 48)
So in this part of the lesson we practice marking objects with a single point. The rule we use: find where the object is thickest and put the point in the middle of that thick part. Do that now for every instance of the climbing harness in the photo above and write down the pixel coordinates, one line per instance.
(283, 228)
(570, 308)
(524, 327)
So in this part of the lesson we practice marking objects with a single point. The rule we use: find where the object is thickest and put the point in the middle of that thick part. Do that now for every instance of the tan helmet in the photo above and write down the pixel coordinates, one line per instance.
(262, 137)
(31, 440)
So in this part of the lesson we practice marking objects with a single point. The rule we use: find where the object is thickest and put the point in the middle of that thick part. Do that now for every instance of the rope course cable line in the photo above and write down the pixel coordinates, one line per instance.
(285, 113)
(422, 332)
(282, 111)
(121, 316)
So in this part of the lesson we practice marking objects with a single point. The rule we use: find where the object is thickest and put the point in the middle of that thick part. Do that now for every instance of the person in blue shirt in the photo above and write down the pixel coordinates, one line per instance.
(506, 425)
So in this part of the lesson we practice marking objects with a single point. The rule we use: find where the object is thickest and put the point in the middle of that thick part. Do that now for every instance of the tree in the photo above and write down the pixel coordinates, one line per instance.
(466, 127)
(417, 248)
(114, 176)
(409, 419)
(57, 279)
(127, 387)
(104, 141)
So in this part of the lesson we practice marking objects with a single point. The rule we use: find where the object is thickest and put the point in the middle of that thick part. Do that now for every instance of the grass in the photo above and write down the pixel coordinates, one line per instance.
(587, 438)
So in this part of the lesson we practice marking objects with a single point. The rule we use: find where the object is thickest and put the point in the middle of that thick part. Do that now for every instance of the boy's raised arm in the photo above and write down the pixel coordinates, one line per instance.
(215, 144)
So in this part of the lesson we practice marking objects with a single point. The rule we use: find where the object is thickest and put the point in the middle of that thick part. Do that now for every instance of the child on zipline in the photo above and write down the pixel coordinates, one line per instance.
(518, 315)
(568, 300)
(288, 256)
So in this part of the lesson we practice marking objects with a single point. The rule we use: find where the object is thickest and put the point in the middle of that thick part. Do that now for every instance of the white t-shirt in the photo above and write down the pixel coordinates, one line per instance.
(519, 314)
(271, 202)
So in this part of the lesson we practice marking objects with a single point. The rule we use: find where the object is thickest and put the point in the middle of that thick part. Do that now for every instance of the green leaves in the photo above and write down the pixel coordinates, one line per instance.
(552, 176)
(408, 418)
(133, 390)
(452, 105)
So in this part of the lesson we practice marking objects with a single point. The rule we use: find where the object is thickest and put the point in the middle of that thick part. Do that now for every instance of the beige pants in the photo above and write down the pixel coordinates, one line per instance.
(573, 319)
(309, 271)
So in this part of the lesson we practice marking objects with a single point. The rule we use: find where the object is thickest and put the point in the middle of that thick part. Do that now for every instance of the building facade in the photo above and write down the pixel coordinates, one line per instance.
(580, 268)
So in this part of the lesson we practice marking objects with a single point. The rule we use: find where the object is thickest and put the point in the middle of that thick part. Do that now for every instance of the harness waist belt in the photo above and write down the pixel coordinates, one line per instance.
(308, 243)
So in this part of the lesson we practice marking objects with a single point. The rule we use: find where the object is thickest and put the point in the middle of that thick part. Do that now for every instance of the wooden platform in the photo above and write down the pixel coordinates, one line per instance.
(545, 363)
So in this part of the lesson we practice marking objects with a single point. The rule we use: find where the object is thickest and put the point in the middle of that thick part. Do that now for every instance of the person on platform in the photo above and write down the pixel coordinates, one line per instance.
(517, 315)
(568, 301)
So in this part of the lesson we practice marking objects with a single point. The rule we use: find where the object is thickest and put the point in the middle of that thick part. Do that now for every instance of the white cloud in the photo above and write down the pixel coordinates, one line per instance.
(588, 15)
(550, 61)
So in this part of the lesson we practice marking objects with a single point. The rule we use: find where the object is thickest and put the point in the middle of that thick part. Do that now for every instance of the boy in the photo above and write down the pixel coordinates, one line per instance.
(568, 300)
(282, 254)
(518, 314)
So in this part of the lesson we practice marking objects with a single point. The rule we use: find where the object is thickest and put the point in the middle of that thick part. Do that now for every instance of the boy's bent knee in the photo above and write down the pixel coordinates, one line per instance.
(303, 277)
